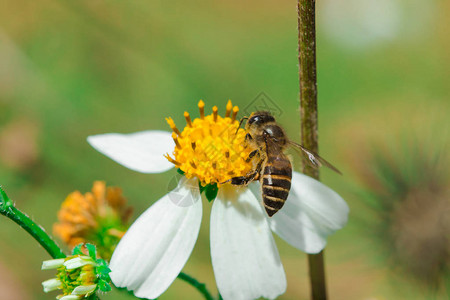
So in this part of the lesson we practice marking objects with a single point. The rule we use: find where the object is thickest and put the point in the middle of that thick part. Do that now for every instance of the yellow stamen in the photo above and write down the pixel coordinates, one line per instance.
(212, 147)
(173, 126)
(215, 110)
(188, 119)
(235, 111)
(229, 108)
(172, 160)
(201, 107)
(175, 139)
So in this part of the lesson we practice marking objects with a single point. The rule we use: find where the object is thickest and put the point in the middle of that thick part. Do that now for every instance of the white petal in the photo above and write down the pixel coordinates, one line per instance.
(140, 151)
(156, 247)
(312, 212)
(51, 285)
(245, 258)
(52, 264)
(78, 261)
(84, 289)
(70, 297)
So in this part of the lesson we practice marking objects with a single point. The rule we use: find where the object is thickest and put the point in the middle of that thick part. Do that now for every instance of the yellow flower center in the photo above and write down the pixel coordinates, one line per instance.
(211, 148)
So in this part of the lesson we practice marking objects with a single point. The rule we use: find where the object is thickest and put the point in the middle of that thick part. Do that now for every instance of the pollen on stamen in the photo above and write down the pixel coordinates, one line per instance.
(215, 110)
(235, 111)
(173, 126)
(172, 160)
(188, 119)
(228, 109)
(175, 139)
(201, 107)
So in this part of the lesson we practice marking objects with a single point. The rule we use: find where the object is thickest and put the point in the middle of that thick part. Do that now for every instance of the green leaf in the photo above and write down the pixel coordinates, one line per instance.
(180, 171)
(103, 271)
(92, 251)
(103, 286)
(211, 191)
(77, 250)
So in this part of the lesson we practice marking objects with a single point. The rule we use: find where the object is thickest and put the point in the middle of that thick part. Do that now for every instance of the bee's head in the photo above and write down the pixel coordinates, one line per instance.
(259, 118)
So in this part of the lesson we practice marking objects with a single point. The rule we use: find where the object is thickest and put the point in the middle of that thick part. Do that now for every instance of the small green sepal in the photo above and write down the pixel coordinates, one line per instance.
(211, 191)
(103, 285)
(102, 269)
(92, 251)
(77, 250)
(180, 171)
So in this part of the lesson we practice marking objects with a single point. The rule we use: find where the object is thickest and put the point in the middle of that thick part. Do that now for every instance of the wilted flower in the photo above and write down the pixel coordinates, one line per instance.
(410, 194)
(99, 217)
(209, 151)
(79, 275)
(402, 165)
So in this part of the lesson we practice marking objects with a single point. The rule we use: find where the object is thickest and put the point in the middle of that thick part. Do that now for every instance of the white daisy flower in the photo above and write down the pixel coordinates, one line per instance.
(210, 150)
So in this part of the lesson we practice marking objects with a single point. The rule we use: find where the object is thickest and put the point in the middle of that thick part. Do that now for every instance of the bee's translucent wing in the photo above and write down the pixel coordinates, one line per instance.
(314, 158)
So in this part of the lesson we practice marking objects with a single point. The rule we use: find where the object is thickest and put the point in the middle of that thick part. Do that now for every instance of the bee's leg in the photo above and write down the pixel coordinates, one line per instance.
(247, 138)
(244, 180)
(266, 137)
(241, 180)
(251, 155)
(258, 169)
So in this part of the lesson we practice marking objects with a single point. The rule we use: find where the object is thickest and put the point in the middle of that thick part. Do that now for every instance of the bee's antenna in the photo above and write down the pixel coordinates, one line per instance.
(240, 123)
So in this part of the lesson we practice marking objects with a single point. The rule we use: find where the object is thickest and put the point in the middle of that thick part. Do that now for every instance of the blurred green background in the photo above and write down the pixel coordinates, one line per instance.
(69, 69)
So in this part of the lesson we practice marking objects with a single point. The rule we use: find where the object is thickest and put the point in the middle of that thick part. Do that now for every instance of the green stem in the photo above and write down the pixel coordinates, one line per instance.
(308, 115)
(201, 287)
(37, 232)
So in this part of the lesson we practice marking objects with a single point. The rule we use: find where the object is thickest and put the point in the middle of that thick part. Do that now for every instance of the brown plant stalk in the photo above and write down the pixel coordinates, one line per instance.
(308, 116)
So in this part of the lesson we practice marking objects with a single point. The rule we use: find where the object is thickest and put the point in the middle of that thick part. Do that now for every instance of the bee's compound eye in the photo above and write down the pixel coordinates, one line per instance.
(261, 118)
(253, 119)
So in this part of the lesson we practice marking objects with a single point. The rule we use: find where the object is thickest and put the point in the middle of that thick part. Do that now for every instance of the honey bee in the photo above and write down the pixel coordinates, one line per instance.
(273, 168)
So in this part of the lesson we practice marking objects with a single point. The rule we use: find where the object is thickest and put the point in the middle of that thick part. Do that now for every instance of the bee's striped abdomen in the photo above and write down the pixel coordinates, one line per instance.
(276, 183)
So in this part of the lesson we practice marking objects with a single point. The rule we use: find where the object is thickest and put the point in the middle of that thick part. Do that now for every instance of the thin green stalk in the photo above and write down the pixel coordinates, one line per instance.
(201, 287)
(308, 115)
(37, 232)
